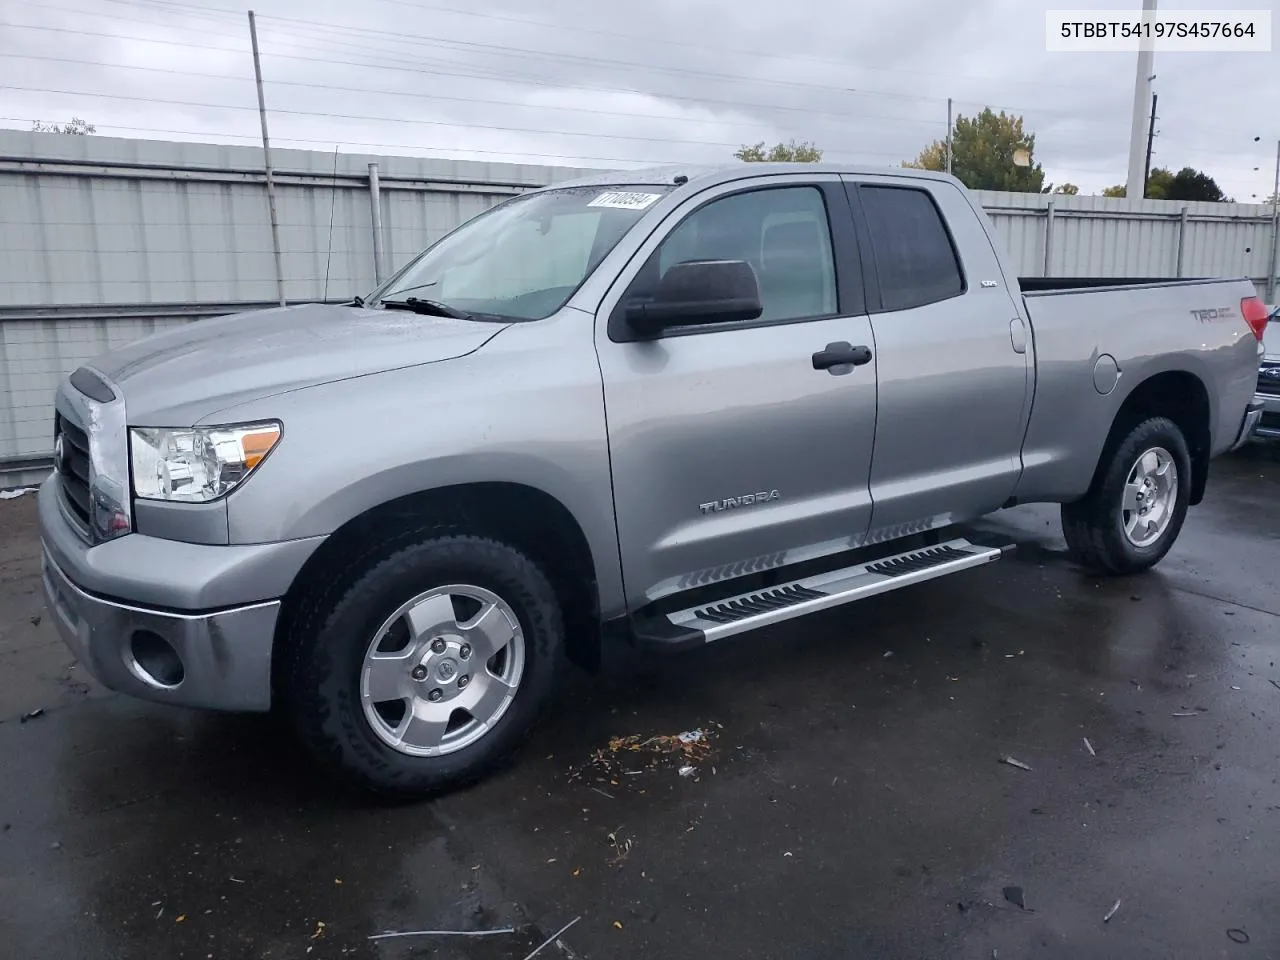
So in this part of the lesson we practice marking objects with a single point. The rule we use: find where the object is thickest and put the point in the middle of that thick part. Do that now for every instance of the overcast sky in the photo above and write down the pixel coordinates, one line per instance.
(629, 82)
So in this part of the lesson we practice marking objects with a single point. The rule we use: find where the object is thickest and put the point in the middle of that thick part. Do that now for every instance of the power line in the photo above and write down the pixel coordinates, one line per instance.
(435, 96)
(317, 43)
(346, 116)
(434, 123)
(330, 62)
(407, 38)
(132, 66)
(631, 38)
(255, 137)
(345, 31)
(1081, 120)
(843, 117)
(613, 62)
(121, 36)
(559, 56)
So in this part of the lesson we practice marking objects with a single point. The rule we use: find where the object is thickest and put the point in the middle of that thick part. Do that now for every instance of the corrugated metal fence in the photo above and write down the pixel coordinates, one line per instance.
(104, 240)
(1064, 236)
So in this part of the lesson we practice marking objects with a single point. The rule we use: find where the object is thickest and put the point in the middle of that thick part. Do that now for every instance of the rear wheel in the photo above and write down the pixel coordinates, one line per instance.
(429, 669)
(1134, 513)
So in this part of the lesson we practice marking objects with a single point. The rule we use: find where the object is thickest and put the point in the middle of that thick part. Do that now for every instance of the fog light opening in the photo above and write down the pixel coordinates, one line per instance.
(154, 659)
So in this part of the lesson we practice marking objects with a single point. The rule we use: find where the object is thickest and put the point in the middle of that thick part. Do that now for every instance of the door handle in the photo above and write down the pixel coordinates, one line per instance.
(841, 354)
(1018, 335)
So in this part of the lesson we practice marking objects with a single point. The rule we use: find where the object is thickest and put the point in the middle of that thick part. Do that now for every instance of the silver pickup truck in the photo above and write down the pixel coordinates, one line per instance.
(671, 406)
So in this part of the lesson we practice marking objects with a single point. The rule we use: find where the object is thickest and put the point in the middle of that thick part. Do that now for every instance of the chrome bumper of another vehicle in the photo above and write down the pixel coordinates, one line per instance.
(1267, 425)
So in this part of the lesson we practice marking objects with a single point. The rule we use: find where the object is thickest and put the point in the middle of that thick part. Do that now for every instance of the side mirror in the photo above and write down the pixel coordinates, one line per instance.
(698, 292)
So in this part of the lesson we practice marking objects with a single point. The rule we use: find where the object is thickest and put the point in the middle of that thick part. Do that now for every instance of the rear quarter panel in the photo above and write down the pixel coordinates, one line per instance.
(1148, 330)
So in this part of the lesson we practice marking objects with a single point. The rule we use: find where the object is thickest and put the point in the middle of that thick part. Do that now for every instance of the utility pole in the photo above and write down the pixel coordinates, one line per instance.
(375, 209)
(1151, 135)
(1275, 231)
(1141, 94)
(948, 134)
(266, 159)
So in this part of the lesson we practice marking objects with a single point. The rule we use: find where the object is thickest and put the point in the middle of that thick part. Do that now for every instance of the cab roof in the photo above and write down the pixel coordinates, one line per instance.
(712, 174)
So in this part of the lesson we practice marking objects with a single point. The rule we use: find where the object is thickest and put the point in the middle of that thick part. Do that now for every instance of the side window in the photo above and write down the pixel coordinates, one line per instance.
(915, 260)
(781, 231)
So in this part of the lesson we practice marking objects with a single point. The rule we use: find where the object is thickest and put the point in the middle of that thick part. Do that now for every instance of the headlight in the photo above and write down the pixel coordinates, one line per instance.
(196, 465)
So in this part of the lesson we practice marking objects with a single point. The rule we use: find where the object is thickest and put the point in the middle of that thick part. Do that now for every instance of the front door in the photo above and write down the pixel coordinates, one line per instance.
(732, 449)
(953, 358)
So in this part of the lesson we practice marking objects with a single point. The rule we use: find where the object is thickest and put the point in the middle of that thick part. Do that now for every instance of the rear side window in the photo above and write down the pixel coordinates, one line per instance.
(915, 260)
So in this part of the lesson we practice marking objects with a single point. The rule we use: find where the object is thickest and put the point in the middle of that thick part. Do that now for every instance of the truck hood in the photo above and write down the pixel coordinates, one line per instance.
(184, 375)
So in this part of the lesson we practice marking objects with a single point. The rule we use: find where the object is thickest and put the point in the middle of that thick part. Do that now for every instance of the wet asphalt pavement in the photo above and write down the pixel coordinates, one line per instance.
(854, 803)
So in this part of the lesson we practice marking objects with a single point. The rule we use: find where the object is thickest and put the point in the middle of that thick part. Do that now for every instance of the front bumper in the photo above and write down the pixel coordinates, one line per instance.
(215, 607)
(225, 656)
(1269, 423)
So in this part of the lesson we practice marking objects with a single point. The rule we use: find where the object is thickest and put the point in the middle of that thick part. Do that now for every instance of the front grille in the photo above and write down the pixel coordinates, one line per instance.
(1269, 385)
(73, 468)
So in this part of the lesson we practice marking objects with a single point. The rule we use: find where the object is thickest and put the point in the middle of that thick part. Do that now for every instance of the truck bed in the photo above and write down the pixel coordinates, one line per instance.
(1094, 340)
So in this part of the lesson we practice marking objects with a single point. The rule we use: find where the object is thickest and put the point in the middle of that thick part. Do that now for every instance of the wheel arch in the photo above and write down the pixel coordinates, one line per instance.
(1179, 395)
(522, 516)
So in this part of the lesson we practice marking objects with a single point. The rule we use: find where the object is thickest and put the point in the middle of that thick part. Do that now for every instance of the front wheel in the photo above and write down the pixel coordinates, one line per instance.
(1133, 515)
(429, 669)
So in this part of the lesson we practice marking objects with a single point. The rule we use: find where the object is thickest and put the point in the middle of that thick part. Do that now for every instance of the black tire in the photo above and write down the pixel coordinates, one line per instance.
(1094, 527)
(319, 679)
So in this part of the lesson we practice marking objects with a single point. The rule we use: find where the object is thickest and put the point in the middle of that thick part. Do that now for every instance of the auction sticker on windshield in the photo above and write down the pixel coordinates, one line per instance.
(625, 201)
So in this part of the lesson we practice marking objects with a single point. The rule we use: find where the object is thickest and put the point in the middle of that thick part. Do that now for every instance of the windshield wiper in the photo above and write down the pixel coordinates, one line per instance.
(418, 286)
(357, 301)
(431, 308)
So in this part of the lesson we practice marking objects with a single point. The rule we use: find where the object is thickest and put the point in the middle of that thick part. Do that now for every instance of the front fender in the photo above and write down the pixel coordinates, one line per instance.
(527, 409)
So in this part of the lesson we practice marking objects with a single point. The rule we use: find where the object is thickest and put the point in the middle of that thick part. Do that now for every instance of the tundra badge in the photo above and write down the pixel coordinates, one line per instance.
(747, 500)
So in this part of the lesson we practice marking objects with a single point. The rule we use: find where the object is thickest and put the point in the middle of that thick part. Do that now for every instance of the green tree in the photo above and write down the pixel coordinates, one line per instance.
(76, 126)
(1187, 184)
(1159, 184)
(1191, 184)
(983, 149)
(780, 153)
(1063, 189)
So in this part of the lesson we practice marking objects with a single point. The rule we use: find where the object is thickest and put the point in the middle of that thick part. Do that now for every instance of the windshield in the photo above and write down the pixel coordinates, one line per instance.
(523, 259)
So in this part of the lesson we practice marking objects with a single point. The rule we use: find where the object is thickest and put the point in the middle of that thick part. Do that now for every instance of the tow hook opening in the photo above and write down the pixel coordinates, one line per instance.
(155, 661)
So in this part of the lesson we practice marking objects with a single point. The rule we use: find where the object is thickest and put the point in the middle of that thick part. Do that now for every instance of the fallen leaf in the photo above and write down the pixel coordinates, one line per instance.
(618, 924)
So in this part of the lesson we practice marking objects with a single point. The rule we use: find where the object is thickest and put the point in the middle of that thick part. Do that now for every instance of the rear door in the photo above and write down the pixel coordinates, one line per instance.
(952, 355)
(732, 449)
